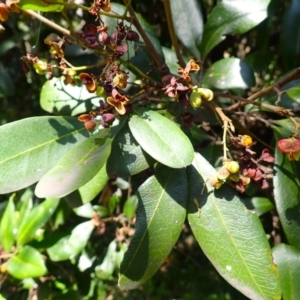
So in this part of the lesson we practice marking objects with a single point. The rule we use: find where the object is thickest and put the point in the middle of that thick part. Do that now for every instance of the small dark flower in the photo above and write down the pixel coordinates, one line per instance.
(132, 36)
(107, 119)
(266, 156)
(173, 87)
(89, 34)
(88, 81)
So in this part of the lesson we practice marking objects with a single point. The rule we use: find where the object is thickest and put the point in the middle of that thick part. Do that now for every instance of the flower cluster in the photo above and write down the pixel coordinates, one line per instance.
(8, 6)
(239, 174)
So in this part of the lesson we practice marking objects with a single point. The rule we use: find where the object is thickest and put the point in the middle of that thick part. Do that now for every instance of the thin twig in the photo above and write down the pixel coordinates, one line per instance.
(172, 32)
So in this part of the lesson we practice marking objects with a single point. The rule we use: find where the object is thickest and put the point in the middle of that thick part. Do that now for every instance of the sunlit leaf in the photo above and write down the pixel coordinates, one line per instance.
(188, 24)
(160, 216)
(77, 167)
(232, 17)
(40, 5)
(229, 73)
(69, 247)
(230, 235)
(161, 138)
(7, 226)
(31, 147)
(58, 98)
(36, 219)
(28, 262)
(287, 259)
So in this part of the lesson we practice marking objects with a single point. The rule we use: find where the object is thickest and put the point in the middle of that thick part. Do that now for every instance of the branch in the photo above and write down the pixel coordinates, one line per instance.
(172, 32)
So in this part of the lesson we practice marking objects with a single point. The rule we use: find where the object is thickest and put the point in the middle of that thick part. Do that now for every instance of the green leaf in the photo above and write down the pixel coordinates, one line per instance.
(294, 93)
(58, 98)
(229, 73)
(92, 188)
(287, 259)
(7, 226)
(188, 24)
(40, 5)
(287, 192)
(127, 157)
(77, 167)
(290, 39)
(230, 235)
(260, 205)
(130, 206)
(35, 220)
(161, 138)
(31, 147)
(27, 263)
(232, 17)
(69, 247)
(160, 215)
(106, 269)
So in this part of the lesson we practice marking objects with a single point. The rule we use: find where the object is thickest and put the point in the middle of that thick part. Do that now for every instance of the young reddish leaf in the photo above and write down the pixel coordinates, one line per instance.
(230, 235)
(160, 216)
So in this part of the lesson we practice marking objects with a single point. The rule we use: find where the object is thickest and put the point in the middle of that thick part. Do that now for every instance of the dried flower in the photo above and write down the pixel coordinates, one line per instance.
(291, 147)
(88, 120)
(88, 81)
(56, 43)
(3, 12)
(118, 101)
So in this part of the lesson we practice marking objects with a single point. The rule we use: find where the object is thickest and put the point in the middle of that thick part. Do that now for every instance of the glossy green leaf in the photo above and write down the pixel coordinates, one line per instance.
(127, 157)
(26, 206)
(28, 262)
(92, 188)
(229, 73)
(130, 206)
(77, 167)
(188, 24)
(260, 205)
(287, 191)
(290, 36)
(35, 220)
(40, 5)
(287, 259)
(232, 17)
(31, 147)
(69, 247)
(58, 98)
(160, 215)
(161, 138)
(230, 235)
(7, 226)
(294, 93)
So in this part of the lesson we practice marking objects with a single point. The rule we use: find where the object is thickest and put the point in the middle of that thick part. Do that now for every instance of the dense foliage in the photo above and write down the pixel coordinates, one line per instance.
(149, 150)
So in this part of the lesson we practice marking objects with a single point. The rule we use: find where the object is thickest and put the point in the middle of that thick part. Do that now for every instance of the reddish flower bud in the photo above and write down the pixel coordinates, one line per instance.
(133, 36)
